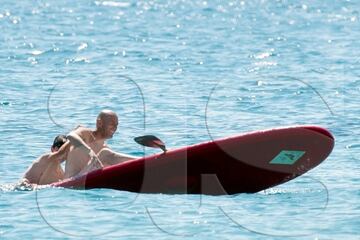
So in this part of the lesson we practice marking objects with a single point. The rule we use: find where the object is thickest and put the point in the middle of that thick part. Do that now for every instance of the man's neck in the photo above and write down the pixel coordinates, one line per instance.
(97, 136)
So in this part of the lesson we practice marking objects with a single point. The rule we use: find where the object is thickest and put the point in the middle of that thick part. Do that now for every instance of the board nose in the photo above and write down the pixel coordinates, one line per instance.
(321, 130)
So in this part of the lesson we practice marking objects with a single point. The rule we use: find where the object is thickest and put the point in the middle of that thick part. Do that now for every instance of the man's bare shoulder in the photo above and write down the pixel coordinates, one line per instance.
(81, 128)
(43, 158)
(84, 132)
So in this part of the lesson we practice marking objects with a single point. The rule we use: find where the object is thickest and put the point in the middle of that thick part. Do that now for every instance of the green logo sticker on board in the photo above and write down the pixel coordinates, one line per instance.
(287, 157)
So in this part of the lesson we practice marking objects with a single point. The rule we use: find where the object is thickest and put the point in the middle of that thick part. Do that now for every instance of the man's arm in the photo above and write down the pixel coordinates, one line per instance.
(77, 141)
(109, 157)
(61, 154)
(93, 164)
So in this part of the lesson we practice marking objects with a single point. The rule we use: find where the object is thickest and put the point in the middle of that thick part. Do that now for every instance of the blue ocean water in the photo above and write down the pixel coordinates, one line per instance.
(186, 71)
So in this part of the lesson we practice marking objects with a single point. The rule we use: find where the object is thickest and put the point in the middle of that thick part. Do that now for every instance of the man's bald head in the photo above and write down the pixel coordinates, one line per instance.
(106, 123)
(107, 114)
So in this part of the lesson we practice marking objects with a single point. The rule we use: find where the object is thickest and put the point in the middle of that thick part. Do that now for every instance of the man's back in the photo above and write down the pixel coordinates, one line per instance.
(44, 171)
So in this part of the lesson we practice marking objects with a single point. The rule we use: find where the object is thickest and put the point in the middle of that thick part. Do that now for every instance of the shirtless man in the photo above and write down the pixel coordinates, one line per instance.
(47, 168)
(88, 150)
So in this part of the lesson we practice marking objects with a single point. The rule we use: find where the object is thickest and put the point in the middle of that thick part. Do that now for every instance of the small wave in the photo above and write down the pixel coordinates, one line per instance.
(264, 63)
(12, 187)
(275, 191)
(82, 46)
(113, 4)
(351, 146)
(36, 52)
(15, 187)
(77, 60)
(5, 103)
(262, 55)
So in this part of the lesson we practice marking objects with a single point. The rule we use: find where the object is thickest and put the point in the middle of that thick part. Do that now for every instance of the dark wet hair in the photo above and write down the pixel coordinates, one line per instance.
(59, 141)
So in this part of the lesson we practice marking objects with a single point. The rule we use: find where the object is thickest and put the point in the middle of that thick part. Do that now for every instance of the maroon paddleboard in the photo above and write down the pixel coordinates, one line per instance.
(245, 163)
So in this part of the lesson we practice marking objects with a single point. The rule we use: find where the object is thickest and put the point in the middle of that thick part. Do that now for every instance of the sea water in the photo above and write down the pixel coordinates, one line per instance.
(187, 72)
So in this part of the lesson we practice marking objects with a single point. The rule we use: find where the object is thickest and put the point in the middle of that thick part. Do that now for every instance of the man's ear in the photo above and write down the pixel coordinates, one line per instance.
(99, 123)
